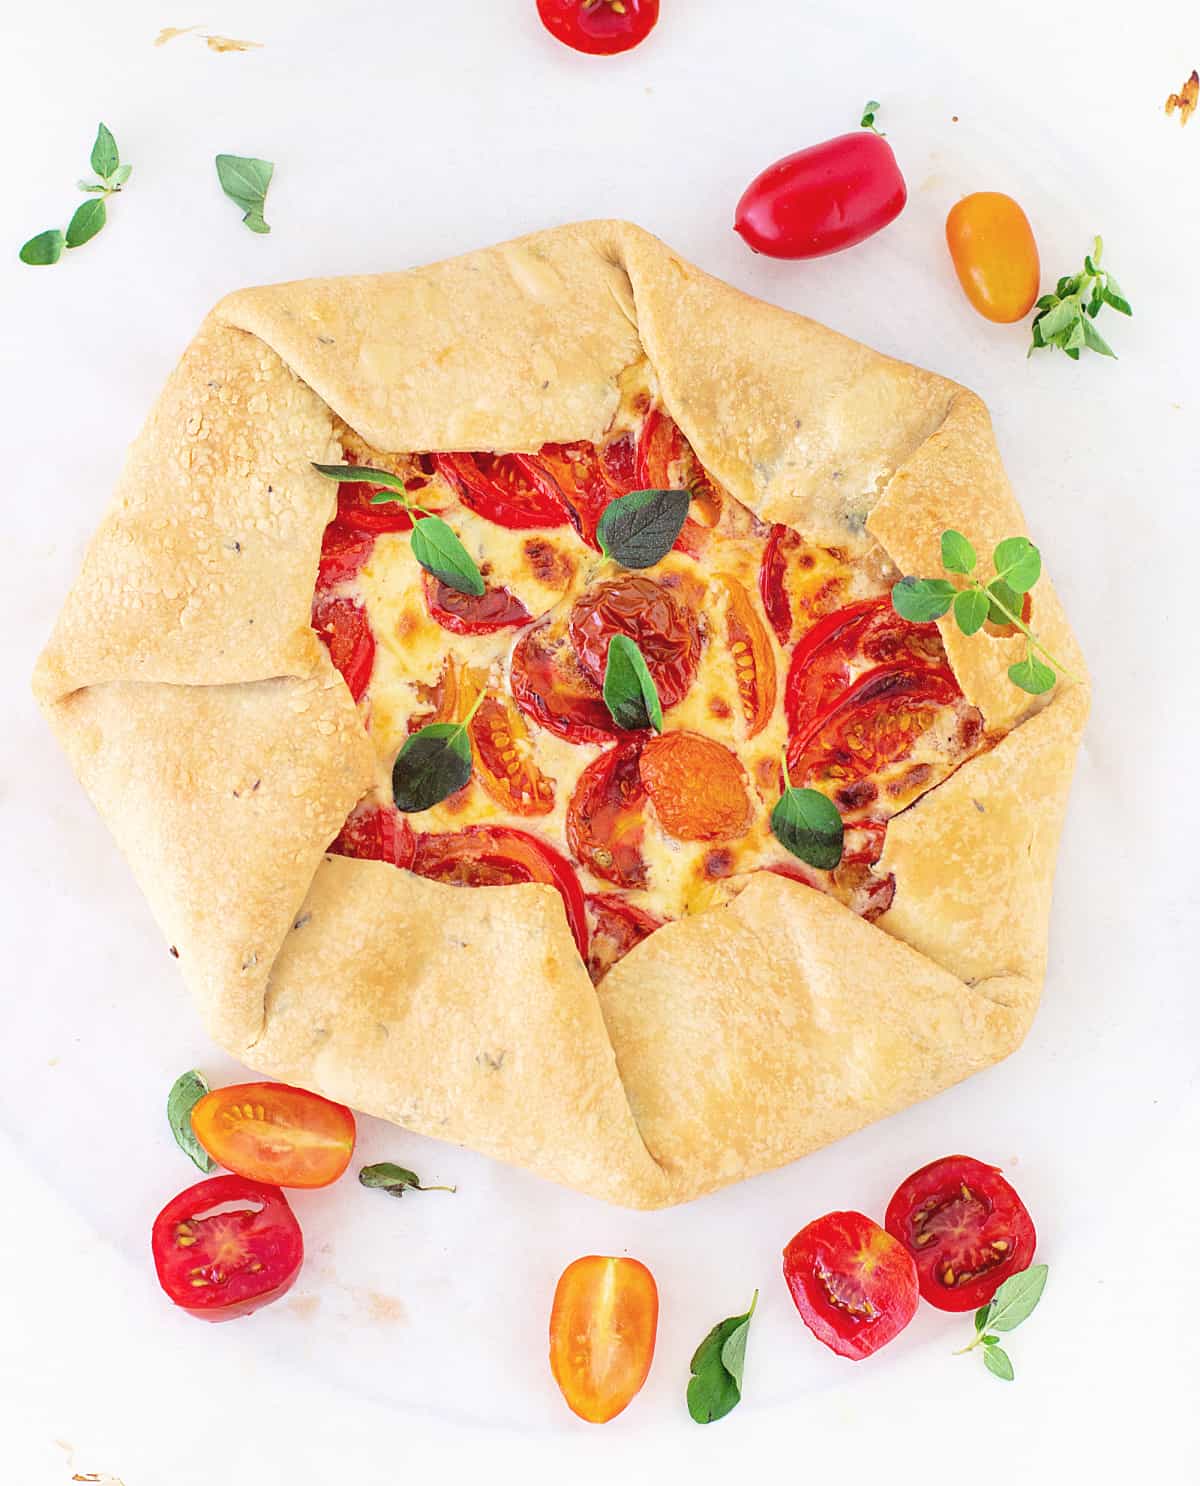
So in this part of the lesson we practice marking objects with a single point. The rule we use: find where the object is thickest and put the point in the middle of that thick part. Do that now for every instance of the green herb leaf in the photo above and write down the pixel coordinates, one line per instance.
(870, 109)
(365, 473)
(440, 552)
(629, 690)
(922, 599)
(1018, 563)
(1064, 318)
(971, 609)
(1017, 1298)
(245, 180)
(96, 188)
(432, 764)
(808, 824)
(89, 218)
(1001, 593)
(46, 247)
(186, 1092)
(715, 1386)
(958, 556)
(981, 1316)
(1032, 675)
(1095, 341)
(395, 1180)
(639, 529)
(996, 1360)
(119, 176)
(105, 155)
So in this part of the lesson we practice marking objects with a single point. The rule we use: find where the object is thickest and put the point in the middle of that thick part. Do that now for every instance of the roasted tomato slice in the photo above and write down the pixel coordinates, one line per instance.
(697, 787)
(217, 1265)
(504, 761)
(343, 625)
(606, 818)
(497, 856)
(464, 614)
(616, 926)
(603, 1326)
(504, 488)
(376, 833)
(666, 461)
(965, 1227)
(854, 1285)
(550, 687)
(274, 1133)
(590, 476)
(753, 662)
(664, 627)
(343, 552)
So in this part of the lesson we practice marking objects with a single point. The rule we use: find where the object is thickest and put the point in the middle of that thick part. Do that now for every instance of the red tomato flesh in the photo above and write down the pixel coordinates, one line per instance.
(603, 1327)
(377, 834)
(600, 28)
(505, 488)
(606, 819)
(664, 627)
(616, 925)
(589, 477)
(854, 1285)
(464, 614)
(345, 630)
(274, 1133)
(824, 198)
(218, 1265)
(965, 1227)
(550, 686)
(343, 552)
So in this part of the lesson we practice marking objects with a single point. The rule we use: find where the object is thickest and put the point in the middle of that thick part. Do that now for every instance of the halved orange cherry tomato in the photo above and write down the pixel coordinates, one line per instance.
(697, 787)
(995, 255)
(854, 1285)
(753, 662)
(218, 1265)
(663, 625)
(965, 1227)
(550, 686)
(376, 833)
(504, 488)
(274, 1133)
(616, 926)
(464, 614)
(603, 1326)
(504, 761)
(343, 626)
(599, 27)
(606, 817)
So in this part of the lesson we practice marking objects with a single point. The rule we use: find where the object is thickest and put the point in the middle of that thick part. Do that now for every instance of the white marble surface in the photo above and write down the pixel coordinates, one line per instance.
(414, 1340)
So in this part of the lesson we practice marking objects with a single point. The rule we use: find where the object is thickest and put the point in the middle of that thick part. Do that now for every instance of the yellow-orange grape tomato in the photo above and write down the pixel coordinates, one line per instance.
(995, 255)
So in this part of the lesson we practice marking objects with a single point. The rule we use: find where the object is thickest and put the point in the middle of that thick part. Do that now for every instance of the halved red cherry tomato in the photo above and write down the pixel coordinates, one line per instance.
(550, 687)
(590, 477)
(218, 1265)
(753, 662)
(343, 626)
(772, 581)
(603, 1326)
(599, 27)
(376, 833)
(666, 461)
(343, 552)
(854, 1285)
(357, 510)
(616, 926)
(697, 787)
(965, 1227)
(496, 856)
(504, 488)
(606, 817)
(504, 761)
(664, 627)
(464, 614)
(995, 255)
(822, 199)
(274, 1133)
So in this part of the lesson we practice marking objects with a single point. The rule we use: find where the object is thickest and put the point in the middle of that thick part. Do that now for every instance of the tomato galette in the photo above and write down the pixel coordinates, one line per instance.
(492, 674)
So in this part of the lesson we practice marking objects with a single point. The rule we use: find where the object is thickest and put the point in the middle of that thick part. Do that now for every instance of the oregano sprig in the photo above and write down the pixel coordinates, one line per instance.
(386, 1176)
(1066, 318)
(715, 1386)
(434, 763)
(1018, 566)
(89, 216)
(1014, 1302)
(808, 823)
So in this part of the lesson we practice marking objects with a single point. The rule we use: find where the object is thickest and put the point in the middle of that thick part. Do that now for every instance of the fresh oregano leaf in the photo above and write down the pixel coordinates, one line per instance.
(971, 610)
(808, 824)
(119, 177)
(89, 218)
(733, 1350)
(245, 180)
(870, 109)
(46, 247)
(1064, 318)
(1001, 593)
(439, 552)
(186, 1092)
(364, 473)
(997, 1362)
(1017, 1298)
(639, 529)
(958, 556)
(432, 764)
(1095, 341)
(629, 690)
(981, 1316)
(1031, 675)
(105, 155)
(922, 599)
(386, 1176)
(715, 1386)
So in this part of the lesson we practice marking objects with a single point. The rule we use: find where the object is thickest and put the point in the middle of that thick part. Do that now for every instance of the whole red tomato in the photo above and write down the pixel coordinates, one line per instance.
(599, 27)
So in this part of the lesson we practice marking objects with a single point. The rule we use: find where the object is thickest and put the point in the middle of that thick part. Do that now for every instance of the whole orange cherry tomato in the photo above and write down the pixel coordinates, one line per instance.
(274, 1133)
(602, 1331)
(995, 255)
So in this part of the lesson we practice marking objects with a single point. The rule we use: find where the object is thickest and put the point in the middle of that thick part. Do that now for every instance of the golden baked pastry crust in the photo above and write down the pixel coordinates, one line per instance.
(212, 731)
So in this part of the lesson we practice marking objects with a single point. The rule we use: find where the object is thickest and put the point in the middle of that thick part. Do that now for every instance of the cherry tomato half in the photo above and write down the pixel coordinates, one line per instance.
(965, 1227)
(504, 488)
(697, 787)
(218, 1265)
(376, 833)
(753, 662)
(616, 926)
(464, 614)
(274, 1133)
(822, 199)
(590, 477)
(599, 27)
(995, 255)
(854, 1285)
(606, 819)
(603, 1327)
(550, 686)
(504, 761)
(343, 552)
(663, 626)
(343, 626)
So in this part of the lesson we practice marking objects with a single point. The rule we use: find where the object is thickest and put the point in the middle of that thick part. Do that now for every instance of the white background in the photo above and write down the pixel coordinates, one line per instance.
(415, 1339)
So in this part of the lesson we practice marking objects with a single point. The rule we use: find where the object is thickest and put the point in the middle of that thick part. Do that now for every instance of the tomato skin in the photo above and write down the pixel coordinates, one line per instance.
(549, 686)
(995, 255)
(960, 1215)
(772, 583)
(276, 1134)
(603, 1326)
(503, 763)
(606, 819)
(590, 477)
(344, 629)
(505, 488)
(663, 626)
(343, 552)
(599, 27)
(617, 925)
(357, 511)
(697, 787)
(854, 1285)
(823, 198)
(464, 614)
(227, 1265)
(376, 833)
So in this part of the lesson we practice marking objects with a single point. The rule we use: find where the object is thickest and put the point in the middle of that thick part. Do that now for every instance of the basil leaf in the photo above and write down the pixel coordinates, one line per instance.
(364, 473)
(639, 530)
(1006, 596)
(715, 1386)
(922, 599)
(46, 247)
(245, 180)
(1031, 675)
(186, 1092)
(971, 608)
(629, 690)
(439, 552)
(105, 155)
(386, 1176)
(1017, 1297)
(996, 1360)
(89, 218)
(808, 824)
(432, 764)
(958, 556)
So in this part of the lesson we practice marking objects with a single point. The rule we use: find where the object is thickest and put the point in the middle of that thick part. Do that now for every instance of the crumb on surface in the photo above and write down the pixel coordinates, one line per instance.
(1186, 100)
